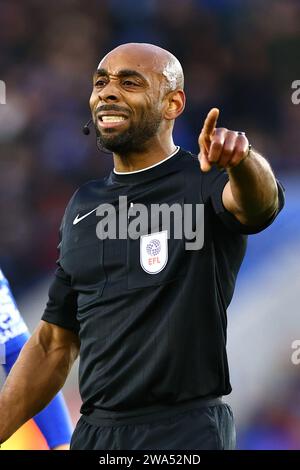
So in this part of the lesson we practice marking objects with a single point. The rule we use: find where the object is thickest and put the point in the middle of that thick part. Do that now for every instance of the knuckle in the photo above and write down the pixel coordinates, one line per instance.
(216, 145)
(221, 131)
(242, 139)
(227, 151)
(232, 134)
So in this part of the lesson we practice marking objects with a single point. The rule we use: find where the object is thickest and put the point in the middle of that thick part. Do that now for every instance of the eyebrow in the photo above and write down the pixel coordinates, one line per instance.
(120, 74)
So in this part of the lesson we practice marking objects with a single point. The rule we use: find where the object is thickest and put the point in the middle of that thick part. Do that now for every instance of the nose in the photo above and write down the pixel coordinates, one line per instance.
(109, 93)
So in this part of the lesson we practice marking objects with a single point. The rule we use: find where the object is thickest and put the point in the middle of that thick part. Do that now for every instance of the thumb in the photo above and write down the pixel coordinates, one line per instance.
(205, 165)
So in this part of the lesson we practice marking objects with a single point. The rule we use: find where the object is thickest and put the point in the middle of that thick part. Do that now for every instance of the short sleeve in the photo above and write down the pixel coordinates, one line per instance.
(213, 184)
(61, 308)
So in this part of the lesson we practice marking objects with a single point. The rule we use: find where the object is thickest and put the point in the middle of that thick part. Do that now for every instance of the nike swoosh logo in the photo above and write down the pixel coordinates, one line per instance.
(78, 219)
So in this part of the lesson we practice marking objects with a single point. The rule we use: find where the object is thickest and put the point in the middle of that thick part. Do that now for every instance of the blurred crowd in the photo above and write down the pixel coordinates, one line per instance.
(237, 55)
(275, 425)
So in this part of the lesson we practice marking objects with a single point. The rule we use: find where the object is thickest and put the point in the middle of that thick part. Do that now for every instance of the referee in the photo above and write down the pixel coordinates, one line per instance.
(147, 315)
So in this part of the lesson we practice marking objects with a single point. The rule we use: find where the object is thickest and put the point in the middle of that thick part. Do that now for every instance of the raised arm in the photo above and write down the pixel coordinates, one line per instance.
(38, 374)
(251, 194)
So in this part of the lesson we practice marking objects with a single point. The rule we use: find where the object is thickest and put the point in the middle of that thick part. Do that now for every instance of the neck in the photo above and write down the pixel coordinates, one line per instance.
(150, 155)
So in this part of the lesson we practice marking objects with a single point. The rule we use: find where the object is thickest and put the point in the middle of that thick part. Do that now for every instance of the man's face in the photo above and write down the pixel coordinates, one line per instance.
(126, 101)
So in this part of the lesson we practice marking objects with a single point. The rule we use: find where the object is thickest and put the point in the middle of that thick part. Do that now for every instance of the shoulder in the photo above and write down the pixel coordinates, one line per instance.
(88, 191)
(85, 196)
(207, 182)
(189, 159)
(190, 165)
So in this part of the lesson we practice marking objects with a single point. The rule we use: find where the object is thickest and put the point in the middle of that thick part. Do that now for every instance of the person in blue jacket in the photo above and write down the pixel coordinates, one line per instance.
(54, 421)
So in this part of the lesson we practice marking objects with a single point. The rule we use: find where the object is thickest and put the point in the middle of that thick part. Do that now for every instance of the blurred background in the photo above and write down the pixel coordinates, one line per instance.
(238, 55)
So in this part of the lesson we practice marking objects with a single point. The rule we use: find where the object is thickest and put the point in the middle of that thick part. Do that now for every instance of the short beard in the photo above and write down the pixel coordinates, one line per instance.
(133, 139)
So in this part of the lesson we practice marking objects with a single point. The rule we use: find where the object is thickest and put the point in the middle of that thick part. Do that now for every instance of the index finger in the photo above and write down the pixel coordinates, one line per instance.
(210, 123)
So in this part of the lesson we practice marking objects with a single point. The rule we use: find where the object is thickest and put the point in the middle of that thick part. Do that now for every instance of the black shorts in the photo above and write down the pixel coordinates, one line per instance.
(200, 425)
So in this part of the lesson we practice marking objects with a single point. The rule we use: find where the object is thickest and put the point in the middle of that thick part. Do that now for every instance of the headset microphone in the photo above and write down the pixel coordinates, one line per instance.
(86, 129)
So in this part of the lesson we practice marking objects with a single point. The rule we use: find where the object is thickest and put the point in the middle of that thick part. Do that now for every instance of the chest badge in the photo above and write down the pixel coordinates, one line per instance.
(154, 252)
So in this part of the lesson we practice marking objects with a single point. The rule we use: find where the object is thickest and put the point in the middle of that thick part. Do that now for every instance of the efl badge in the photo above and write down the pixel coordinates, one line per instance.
(154, 251)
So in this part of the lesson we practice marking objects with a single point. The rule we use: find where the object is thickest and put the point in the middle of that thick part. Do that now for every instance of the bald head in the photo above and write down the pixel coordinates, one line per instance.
(152, 58)
(142, 85)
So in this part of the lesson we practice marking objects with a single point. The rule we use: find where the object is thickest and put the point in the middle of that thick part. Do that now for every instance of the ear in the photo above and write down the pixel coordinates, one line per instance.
(175, 103)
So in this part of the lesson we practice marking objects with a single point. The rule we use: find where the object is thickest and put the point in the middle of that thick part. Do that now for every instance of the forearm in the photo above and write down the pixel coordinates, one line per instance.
(38, 374)
(253, 190)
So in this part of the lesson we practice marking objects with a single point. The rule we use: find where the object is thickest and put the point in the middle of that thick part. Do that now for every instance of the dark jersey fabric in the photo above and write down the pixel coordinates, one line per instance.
(149, 339)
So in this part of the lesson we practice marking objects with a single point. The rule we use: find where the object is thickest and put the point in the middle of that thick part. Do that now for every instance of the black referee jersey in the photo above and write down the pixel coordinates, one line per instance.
(149, 338)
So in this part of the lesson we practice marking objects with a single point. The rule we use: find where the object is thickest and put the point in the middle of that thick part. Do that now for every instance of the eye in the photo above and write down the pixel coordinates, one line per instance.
(101, 82)
(129, 83)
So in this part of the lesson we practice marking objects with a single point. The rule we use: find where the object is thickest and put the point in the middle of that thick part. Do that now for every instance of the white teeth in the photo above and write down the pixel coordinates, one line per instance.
(112, 118)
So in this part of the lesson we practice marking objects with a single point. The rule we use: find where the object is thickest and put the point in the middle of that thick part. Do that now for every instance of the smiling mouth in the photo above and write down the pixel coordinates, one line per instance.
(111, 118)
(109, 121)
